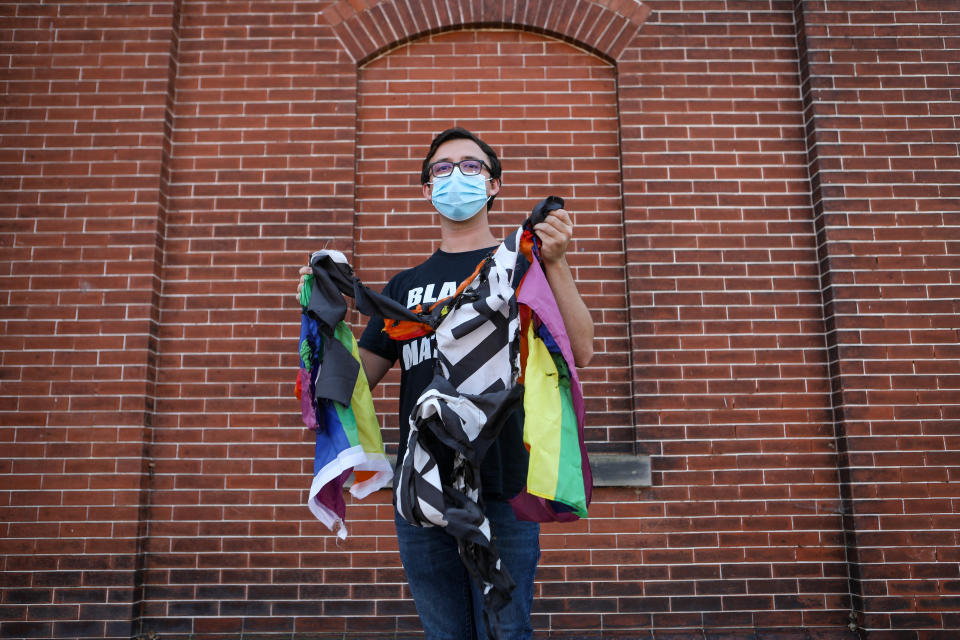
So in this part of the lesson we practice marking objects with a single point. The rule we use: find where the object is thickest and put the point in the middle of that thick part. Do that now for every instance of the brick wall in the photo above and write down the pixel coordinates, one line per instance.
(742, 525)
(767, 230)
(260, 172)
(82, 137)
(880, 108)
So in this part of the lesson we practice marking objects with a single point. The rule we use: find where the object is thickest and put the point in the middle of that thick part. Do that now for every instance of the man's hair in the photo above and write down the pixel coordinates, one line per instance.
(455, 133)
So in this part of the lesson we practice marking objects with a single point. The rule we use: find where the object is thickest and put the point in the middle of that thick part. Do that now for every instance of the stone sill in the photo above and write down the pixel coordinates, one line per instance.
(620, 470)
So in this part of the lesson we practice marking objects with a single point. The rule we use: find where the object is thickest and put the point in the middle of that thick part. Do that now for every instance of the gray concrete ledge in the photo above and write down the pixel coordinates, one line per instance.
(620, 470)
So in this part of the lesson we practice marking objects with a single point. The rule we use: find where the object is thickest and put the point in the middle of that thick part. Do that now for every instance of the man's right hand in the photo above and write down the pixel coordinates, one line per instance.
(304, 271)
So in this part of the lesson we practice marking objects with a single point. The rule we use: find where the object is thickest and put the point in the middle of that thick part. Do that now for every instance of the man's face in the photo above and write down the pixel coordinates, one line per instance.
(457, 150)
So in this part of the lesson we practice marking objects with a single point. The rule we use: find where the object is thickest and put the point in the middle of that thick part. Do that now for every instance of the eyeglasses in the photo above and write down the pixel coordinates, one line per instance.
(467, 168)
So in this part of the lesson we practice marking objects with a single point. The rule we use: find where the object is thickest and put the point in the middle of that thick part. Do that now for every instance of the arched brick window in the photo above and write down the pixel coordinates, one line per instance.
(550, 110)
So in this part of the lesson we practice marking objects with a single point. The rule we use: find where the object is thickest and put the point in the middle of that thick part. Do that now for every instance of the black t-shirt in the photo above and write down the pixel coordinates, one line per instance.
(503, 471)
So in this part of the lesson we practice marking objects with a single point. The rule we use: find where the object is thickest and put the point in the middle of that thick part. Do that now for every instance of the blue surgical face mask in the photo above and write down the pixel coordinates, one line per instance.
(459, 197)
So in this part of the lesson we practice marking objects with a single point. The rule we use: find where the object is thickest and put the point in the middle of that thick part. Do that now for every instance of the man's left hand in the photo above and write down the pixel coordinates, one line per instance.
(554, 233)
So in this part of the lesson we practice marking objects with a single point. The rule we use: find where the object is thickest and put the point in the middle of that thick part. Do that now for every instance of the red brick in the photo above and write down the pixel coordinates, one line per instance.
(730, 357)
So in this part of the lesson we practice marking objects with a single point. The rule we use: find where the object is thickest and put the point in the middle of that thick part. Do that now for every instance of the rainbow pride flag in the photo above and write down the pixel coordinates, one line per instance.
(348, 440)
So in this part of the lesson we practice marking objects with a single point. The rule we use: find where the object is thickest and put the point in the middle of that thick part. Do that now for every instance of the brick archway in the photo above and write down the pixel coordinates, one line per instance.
(605, 27)
(549, 109)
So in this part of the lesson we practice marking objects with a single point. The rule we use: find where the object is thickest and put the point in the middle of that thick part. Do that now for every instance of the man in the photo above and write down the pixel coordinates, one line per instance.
(460, 176)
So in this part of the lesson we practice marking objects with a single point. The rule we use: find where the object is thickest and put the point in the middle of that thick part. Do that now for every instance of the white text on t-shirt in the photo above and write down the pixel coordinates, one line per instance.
(424, 295)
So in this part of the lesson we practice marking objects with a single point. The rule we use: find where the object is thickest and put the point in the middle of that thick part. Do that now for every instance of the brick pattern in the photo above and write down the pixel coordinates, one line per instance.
(791, 358)
(742, 525)
(368, 27)
(81, 139)
(261, 169)
(883, 125)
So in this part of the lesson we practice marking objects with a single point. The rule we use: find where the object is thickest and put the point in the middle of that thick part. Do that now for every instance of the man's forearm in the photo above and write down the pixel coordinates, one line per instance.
(374, 367)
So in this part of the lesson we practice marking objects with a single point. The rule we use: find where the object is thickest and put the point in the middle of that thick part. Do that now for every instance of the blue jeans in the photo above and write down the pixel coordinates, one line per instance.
(448, 603)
